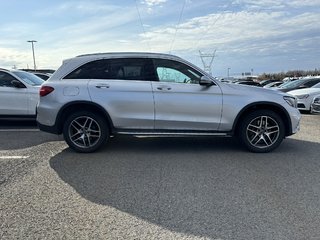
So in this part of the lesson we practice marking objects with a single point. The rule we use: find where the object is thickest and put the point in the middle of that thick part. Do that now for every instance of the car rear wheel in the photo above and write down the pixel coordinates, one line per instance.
(262, 131)
(85, 132)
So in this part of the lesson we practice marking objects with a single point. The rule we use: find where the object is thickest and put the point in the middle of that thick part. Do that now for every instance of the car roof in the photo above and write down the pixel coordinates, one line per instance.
(127, 54)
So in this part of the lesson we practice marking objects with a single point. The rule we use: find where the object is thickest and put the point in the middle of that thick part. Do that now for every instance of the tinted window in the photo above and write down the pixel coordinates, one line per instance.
(5, 79)
(172, 71)
(312, 82)
(120, 68)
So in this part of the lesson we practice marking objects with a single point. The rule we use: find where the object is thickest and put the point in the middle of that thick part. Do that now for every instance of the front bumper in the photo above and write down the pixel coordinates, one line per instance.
(295, 116)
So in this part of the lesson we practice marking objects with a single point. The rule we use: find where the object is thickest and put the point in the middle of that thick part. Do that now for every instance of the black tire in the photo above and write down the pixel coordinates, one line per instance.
(85, 131)
(261, 131)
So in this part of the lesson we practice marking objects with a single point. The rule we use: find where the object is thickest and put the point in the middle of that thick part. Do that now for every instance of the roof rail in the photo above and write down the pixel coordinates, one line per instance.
(123, 53)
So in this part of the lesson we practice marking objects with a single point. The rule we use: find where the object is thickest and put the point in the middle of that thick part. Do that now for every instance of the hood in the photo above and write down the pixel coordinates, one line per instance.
(305, 91)
(252, 89)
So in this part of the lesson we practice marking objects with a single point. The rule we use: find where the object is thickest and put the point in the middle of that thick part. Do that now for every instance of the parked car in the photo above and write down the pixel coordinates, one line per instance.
(265, 82)
(273, 84)
(290, 79)
(19, 93)
(249, 83)
(43, 76)
(315, 105)
(299, 84)
(91, 97)
(305, 96)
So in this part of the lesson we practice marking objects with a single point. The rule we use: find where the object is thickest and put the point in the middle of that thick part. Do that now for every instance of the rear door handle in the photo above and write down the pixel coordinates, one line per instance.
(102, 86)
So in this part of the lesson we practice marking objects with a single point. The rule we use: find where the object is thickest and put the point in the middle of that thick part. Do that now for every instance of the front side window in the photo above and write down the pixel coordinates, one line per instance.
(118, 68)
(176, 72)
(5, 79)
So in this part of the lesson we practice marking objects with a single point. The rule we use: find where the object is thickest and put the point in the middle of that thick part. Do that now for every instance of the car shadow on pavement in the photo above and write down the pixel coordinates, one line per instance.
(23, 133)
(198, 186)
(24, 139)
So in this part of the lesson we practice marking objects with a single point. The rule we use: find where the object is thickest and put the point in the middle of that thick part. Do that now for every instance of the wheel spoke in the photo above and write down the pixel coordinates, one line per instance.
(269, 138)
(74, 135)
(255, 137)
(74, 123)
(88, 139)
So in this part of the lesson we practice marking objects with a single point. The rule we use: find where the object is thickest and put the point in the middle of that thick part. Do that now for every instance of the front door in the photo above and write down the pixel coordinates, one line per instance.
(181, 103)
(13, 101)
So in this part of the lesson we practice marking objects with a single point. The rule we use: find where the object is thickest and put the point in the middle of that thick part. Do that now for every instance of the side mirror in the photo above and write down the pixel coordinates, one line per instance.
(205, 81)
(17, 84)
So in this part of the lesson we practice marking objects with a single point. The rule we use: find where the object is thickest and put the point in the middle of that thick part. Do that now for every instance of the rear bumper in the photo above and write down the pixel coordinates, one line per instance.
(50, 129)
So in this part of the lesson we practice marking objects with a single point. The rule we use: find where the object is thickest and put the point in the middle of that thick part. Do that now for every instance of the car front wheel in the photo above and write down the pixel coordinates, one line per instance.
(85, 132)
(262, 131)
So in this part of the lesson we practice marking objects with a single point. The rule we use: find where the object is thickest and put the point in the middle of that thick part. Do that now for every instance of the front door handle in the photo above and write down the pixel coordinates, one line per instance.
(164, 88)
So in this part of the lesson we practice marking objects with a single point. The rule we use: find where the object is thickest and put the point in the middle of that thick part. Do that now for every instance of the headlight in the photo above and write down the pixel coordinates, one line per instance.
(304, 96)
(292, 101)
(316, 100)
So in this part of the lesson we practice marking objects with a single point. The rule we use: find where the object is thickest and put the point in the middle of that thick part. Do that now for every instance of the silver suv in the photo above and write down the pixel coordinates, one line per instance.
(91, 97)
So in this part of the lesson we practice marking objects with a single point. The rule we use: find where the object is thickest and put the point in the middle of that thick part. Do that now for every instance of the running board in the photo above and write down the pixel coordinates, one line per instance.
(140, 133)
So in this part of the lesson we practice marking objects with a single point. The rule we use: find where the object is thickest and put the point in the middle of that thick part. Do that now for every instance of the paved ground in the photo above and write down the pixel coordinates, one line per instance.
(164, 188)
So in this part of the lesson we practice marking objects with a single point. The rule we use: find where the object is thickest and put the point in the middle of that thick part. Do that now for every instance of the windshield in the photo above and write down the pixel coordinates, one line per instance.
(316, 86)
(292, 84)
(29, 78)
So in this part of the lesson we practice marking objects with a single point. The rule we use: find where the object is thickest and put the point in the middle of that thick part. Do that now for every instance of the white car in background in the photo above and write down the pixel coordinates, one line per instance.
(273, 84)
(19, 94)
(305, 96)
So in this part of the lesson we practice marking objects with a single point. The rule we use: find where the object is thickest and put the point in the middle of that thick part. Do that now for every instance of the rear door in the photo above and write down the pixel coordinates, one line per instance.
(122, 87)
(181, 103)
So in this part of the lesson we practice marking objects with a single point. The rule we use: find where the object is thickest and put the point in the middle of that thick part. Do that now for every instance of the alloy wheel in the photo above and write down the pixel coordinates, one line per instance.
(263, 132)
(84, 132)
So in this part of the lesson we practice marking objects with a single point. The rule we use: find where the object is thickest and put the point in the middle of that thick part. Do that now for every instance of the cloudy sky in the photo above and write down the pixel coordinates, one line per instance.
(263, 35)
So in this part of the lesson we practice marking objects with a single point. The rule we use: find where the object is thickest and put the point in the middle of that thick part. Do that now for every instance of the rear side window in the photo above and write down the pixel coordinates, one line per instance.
(120, 68)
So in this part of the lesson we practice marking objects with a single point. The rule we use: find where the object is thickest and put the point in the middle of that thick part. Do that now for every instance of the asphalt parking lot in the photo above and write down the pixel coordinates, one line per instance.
(158, 188)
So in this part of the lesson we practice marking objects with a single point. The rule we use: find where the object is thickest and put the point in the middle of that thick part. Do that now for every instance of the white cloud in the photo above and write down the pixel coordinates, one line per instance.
(260, 5)
(77, 7)
(275, 4)
(11, 57)
(151, 4)
(243, 33)
(154, 2)
(304, 3)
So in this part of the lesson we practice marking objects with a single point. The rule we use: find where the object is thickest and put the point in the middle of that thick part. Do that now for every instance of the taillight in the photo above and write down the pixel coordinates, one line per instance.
(45, 90)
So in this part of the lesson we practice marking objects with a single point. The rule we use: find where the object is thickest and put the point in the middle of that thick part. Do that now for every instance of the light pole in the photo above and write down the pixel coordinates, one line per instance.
(34, 59)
